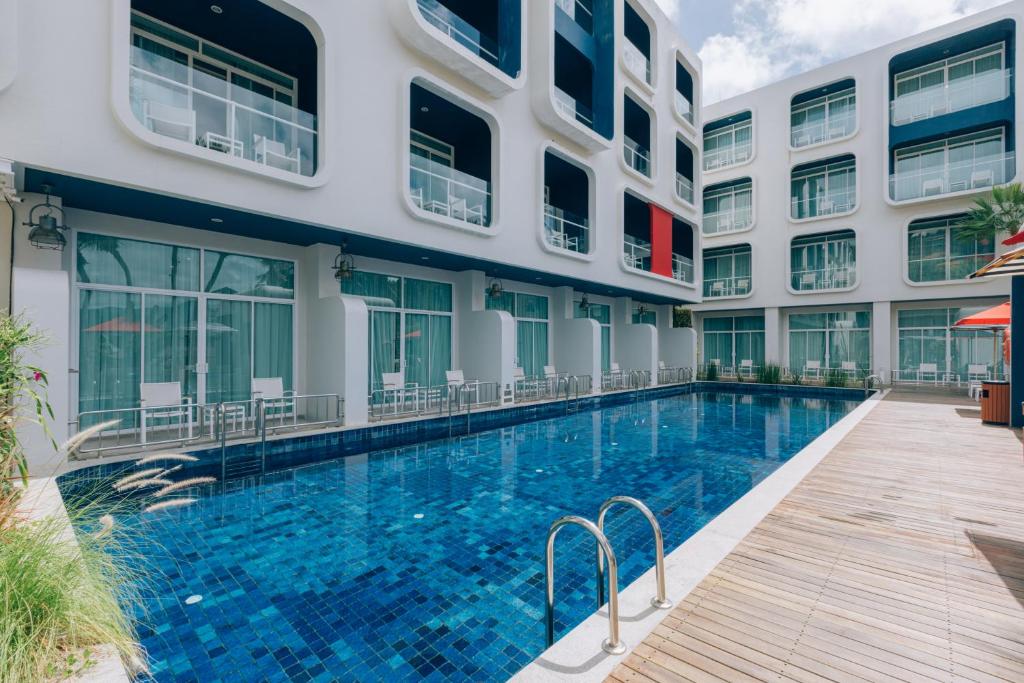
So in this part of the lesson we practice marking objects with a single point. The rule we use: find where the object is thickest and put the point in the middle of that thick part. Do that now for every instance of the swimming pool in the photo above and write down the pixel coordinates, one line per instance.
(427, 561)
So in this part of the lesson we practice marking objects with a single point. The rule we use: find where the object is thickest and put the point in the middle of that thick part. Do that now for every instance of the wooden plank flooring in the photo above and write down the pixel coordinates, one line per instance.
(899, 558)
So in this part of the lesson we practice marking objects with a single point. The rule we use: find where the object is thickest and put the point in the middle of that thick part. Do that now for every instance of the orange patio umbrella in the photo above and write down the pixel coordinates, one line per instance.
(996, 319)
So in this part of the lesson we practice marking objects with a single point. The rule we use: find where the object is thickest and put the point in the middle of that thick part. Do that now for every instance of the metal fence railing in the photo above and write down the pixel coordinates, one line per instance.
(414, 400)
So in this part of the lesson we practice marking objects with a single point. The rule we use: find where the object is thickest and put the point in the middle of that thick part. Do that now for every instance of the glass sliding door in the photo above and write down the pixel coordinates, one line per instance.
(428, 348)
(228, 350)
(385, 345)
(926, 337)
(272, 343)
(171, 341)
(831, 339)
(110, 342)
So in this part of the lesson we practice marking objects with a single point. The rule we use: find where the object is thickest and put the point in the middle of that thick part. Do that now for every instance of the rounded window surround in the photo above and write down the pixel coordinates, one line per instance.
(697, 263)
(843, 214)
(652, 117)
(832, 141)
(812, 292)
(593, 239)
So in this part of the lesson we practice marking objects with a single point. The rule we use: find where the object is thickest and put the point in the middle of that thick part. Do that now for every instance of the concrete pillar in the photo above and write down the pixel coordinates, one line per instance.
(1016, 350)
(636, 346)
(577, 341)
(773, 337)
(881, 339)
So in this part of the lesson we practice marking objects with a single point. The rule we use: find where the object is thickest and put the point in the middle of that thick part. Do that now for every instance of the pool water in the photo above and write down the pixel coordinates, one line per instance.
(427, 562)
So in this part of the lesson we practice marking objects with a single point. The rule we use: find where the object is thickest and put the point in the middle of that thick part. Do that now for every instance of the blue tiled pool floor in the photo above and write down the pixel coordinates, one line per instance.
(426, 562)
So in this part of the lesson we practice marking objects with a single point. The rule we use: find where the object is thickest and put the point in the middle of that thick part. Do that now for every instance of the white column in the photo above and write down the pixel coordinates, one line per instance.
(677, 346)
(636, 346)
(773, 337)
(485, 340)
(577, 341)
(881, 339)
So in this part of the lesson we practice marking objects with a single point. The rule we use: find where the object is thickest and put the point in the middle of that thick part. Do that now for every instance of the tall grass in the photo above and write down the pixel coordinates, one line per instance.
(769, 373)
(835, 378)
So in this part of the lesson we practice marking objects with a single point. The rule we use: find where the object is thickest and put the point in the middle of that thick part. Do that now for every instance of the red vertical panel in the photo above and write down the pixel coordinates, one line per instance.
(661, 241)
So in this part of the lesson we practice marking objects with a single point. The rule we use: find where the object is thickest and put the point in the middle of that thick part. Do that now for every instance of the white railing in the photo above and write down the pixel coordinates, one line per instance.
(445, 21)
(727, 156)
(637, 157)
(636, 61)
(571, 108)
(684, 107)
(258, 129)
(957, 95)
(636, 252)
(839, 277)
(684, 188)
(682, 268)
(813, 133)
(978, 173)
(565, 230)
(442, 190)
(730, 220)
(826, 205)
(727, 286)
(578, 12)
(416, 399)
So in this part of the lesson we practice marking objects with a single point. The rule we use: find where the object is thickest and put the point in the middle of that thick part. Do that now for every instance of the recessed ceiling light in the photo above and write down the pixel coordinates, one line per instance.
(216, 220)
(424, 109)
(537, 279)
(424, 258)
(216, 9)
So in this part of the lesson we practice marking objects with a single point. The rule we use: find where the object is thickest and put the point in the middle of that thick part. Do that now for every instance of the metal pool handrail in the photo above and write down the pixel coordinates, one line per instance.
(612, 645)
(869, 382)
(659, 600)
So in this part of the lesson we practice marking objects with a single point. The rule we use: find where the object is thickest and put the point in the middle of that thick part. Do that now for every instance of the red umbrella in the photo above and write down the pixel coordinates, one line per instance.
(996, 319)
(121, 325)
(1014, 240)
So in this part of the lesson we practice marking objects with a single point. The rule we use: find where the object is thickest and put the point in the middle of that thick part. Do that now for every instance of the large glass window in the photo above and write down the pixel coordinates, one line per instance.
(728, 207)
(144, 320)
(938, 251)
(728, 341)
(825, 118)
(960, 82)
(727, 271)
(926, 338)
(826, 261)
(728, 145)
(830, 339)
(410, 327)
(602, 313)
(966, 162)
(642, 315)
(531, 314)
(823, 188)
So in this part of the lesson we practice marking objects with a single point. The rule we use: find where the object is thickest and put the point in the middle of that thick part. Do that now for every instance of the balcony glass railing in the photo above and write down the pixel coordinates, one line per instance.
(683, 106)
(682, 268)
(205, 110)
(578, 12)
(636, 61)
(565, 230)
(573, 108)
(840, 277)
(728, 220)
(684, 188)
(459, 30)
(727, 156)
(716, 288)
(637, 157)
(816, 132)
(956, 95)
(636, 252)
(827, 204)
(978, 173)
(445, 191)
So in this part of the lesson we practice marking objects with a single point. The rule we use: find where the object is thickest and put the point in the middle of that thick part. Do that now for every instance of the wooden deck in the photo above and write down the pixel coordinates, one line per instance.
(900, 557)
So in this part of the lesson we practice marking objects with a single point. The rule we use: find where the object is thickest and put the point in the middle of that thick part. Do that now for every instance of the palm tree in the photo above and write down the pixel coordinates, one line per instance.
(1003, 212)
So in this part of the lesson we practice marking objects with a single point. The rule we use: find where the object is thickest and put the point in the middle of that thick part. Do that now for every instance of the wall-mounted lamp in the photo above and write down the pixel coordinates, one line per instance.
(47, 232)
(344, 264)
(585, 304)
(495, 290)
(641, 310)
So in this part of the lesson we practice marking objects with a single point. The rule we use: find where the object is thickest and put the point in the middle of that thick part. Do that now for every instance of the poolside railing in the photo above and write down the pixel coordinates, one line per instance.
(414, 400)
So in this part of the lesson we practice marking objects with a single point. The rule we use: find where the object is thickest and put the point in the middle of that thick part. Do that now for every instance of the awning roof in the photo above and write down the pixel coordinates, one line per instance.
(1010, 263)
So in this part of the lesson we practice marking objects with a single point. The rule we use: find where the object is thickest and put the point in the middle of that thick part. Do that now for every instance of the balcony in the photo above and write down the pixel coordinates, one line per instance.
(683, 107)
(440, 189)
(728, 207)
(460, 30)
(825, 205)
(952, 96)
(636, 61)
(978, 173)
(824, 262)
(728, 220)
(636, 252)
(724, 287)
(684, 188)
(218, 107)
(824, 279)
(834, 127)
(637, 157)
(682, 268)
(565, 230)
(727, 156)
(572, 108)
(579, 12)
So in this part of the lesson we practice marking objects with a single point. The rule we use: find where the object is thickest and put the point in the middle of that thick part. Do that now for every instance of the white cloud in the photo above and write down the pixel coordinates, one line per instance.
(775, 38)
(670, 7)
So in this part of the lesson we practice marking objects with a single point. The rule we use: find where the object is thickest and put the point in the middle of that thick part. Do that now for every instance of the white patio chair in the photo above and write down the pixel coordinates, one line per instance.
(416, 194)
(932, 187)
(613, 378)
(742, 285)
(456, 379)
(978, 372)
(275, 154)
(812, 367)
(524, 385)
(393, 384)
(927, 369)
(808, 280)
(170, 121)
(163, 401)
(982, 178)
(825, 207)
(746, 365)
(277, 402)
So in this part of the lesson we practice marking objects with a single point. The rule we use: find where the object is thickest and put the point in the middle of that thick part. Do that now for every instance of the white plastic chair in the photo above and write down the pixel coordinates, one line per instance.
(813, 366)
(170, 121)
(931, 187)
(163, 401)
(927, 369)
(982, 178)
(276, 400)
(457, 379)
(849, 367)
(275, 154)
(394, 384)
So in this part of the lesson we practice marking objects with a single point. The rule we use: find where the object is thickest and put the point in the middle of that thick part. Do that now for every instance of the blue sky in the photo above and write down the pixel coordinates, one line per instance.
(745, 44)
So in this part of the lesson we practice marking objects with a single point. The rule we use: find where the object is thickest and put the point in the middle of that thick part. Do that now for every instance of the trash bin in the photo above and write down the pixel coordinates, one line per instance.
(995, 402)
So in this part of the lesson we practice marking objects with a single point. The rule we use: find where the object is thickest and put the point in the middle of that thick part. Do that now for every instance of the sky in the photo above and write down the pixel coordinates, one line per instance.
(745, 44)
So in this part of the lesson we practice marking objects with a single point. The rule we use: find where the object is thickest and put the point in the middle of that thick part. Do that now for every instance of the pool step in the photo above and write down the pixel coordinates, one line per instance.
(243, 466)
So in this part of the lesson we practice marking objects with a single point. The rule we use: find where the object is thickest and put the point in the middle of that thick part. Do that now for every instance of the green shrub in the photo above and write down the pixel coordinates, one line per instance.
(711, 373)
(795, 378)
(769, 373)
(835, 378)
(22, 399)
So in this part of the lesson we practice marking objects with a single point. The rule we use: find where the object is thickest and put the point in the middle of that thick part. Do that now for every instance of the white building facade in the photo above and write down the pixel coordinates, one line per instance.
(514, 185)
(831, 202)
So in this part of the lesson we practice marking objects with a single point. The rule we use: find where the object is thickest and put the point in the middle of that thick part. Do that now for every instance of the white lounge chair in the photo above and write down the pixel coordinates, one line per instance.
(163, 401)
(170, 121)
(275, 154)
(277, 402)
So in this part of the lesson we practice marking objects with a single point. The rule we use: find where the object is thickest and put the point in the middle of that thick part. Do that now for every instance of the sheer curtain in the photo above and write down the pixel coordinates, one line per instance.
(272, 347)
(228, 350)
(385, 346)
(110, 342)
(171, 336)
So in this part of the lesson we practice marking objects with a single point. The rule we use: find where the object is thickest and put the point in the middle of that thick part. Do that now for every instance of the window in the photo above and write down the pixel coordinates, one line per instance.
(728, 207)
(684, 92)
(829, 117)
(566, 204)
(727, 145)
(636, 48)
(823, 262)
(730, 341)
(147, 313)
(642, 315)
(830, 340)
(185, 87)
(823, 188)
(602, 313)
(410, 327)
(926, 339)
(727, 271)
(937, 251)
(636, 140)
(954, 84)
(580, 11)
(531, 314)
(959, 164)
(684, 171)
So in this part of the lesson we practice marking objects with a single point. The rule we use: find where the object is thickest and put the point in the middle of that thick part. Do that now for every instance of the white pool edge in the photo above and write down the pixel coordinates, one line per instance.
(577, 656)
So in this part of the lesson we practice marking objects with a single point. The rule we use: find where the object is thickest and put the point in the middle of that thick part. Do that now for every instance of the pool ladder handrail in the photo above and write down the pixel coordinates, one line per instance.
(868, 384)
(659, 600)
(457, 389)
(613, 645)
(571, 382)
